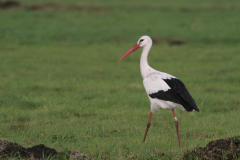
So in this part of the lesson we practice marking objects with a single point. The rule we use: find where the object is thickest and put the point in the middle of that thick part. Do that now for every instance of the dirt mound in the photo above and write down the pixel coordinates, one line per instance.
(11, 149)
(226, 149)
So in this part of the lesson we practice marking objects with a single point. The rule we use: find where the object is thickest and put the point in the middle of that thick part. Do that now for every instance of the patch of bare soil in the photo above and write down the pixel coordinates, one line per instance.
(169, 41)
(49, 6)
(11, 149)
(227, 149)
(9, 4)
(15, 4)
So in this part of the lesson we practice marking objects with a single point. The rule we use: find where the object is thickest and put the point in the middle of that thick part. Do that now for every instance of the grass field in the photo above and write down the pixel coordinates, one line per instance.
(61, 84)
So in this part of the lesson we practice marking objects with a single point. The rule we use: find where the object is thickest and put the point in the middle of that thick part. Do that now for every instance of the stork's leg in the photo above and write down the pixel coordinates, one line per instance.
(148, 125)
(176, 125)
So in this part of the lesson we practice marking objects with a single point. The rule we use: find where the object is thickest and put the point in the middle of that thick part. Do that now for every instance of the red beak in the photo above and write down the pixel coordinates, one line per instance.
(135, 47)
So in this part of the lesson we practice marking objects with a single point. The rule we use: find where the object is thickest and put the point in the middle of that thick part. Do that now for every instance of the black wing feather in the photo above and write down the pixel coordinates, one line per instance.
(178, 94)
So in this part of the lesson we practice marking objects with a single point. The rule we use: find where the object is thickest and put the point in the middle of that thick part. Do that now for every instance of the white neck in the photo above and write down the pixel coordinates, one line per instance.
(144, 67)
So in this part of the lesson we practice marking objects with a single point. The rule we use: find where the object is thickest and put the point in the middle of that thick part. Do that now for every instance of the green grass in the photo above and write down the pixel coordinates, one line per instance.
(61, 84)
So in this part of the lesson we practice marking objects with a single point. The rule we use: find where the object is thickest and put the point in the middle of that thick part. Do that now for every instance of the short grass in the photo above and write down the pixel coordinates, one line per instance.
(61, 84)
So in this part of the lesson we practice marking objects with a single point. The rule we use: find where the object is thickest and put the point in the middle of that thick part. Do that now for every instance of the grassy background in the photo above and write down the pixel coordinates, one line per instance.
(61, 84)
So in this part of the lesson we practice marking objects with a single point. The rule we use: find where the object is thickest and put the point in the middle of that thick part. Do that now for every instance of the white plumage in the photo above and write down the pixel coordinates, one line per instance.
(152, 84)
(163, 90)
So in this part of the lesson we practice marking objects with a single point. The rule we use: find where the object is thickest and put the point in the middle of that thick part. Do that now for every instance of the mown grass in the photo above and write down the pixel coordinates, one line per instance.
(61, 84)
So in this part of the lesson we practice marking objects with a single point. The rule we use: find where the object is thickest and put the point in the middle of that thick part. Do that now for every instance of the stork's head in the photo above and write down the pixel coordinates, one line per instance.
(143, 41)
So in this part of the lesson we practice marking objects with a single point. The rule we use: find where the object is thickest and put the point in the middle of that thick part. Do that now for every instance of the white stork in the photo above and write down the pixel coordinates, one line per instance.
(163, 90)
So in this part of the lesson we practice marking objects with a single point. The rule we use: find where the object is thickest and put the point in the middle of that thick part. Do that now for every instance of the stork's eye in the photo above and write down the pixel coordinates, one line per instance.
(141, 40)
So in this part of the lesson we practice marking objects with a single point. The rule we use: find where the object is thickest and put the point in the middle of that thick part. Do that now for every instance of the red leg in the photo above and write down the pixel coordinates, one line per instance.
(176, 125)
(148, 125)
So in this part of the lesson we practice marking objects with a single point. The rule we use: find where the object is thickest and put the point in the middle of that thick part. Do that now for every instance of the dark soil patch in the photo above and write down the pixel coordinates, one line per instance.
(11, 149)
(169, 41)
(9, 4)
(49, 6)
(226, 149)
(15, 4)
